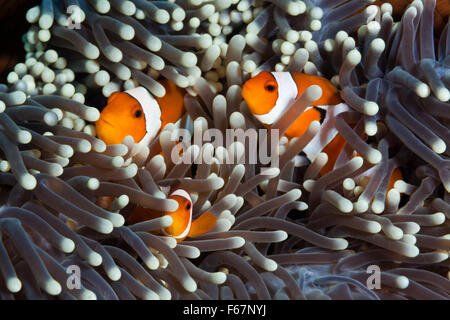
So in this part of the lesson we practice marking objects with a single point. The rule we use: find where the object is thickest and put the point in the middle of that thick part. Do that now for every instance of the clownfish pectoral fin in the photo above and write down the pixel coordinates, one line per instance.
(202, 224)
(301, 124)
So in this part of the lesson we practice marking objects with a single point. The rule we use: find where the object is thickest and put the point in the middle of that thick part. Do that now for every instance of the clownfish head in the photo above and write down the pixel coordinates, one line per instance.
(183, 224)
(182, 217)
(260, 93)
(131, 113)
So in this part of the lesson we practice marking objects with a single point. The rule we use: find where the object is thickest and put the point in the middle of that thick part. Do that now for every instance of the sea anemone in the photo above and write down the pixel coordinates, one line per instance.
(284, 230)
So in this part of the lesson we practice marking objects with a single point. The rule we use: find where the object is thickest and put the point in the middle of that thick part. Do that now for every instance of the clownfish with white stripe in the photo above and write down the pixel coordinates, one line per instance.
(269, 94)
(137, 113)
(183, 225)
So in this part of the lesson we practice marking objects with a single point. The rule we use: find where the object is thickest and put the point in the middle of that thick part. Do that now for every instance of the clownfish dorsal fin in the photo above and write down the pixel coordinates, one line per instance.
(330, 94)
(287, 93)
(113, 96)
(202, 224)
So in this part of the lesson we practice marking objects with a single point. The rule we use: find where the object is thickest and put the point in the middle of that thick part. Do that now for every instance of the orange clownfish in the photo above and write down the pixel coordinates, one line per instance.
(269, 94)
(137, 113)
(182, 226)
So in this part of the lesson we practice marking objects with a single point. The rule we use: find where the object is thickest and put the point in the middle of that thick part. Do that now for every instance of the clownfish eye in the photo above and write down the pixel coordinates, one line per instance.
(138, 113)
(188, 206)
(270, 87)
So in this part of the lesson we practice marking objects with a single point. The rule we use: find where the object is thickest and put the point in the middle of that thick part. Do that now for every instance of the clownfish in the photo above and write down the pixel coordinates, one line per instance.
(183, 225)
(396, 175)
(269, 94)
(137, 113)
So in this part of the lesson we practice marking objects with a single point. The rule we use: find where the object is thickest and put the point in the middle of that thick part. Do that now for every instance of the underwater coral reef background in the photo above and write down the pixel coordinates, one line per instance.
(283, 230)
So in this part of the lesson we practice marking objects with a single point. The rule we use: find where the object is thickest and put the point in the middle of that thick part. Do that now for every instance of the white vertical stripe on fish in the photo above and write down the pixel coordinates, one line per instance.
(152, 113)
